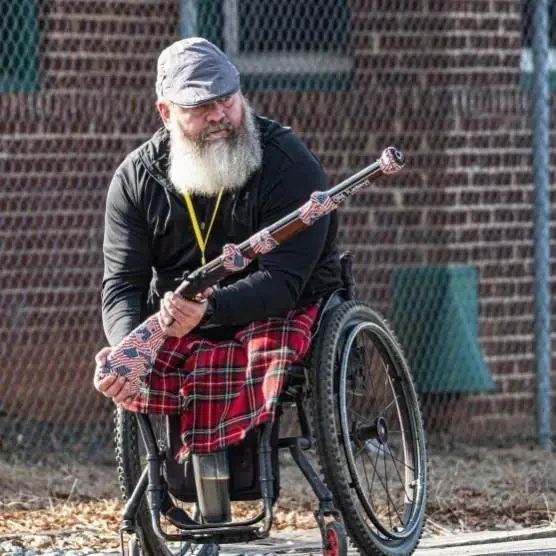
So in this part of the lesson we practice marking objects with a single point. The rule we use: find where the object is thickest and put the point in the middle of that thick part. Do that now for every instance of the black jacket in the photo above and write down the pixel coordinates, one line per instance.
(149, 242)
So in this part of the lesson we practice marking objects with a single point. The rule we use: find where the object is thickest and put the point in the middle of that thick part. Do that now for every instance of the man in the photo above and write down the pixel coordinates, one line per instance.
(214, 174)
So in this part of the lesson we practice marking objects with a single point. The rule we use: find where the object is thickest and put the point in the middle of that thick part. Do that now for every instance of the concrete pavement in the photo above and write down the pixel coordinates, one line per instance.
(500, 543)
(529, 542)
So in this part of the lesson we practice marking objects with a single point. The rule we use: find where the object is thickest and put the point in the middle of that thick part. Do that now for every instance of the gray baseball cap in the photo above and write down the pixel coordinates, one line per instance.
(193, 71)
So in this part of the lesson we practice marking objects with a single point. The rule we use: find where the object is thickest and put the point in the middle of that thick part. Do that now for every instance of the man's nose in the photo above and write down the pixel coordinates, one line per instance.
(215, 112)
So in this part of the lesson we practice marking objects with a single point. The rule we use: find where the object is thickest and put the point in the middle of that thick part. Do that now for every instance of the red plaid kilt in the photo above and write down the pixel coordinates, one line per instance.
(223, 389)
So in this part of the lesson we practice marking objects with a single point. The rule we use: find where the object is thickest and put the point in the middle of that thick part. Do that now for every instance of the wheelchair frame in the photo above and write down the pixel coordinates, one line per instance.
(244, 531)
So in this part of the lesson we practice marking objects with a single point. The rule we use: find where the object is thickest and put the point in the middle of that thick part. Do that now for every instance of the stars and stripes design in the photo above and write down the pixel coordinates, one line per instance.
(263, 242)
(232, 259)
(317, 206)
(135, 355)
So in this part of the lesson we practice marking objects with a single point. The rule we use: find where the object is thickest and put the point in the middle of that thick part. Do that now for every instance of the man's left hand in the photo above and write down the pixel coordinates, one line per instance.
(112, 386)
(185, 314)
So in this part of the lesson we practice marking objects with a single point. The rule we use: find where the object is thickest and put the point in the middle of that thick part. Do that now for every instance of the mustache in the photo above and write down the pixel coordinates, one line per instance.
(223, 126)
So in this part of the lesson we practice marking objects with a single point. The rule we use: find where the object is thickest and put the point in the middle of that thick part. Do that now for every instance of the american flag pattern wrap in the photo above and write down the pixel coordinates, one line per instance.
(134, 357)
(388, 161)
(317, 206)
(263, 242)
(232, 259)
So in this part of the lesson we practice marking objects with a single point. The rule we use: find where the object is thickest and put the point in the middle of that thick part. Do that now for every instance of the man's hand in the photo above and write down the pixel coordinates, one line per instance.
(179, 316)
(115, 387)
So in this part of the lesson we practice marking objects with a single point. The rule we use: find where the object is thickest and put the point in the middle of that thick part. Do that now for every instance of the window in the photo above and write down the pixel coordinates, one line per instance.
(527, 10)
(278, 44)
(18, 46)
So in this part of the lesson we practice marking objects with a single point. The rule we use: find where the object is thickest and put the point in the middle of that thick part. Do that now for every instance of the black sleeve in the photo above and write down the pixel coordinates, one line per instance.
(127, 263)
(276, 286)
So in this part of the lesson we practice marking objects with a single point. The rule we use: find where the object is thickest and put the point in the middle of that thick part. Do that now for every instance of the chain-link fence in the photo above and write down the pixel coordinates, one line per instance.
(444, 249)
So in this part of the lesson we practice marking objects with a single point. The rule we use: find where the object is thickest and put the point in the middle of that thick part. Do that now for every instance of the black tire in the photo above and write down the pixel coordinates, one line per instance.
(348, 384)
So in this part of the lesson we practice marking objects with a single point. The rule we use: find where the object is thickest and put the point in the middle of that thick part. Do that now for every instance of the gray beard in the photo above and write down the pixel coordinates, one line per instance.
(205, 167)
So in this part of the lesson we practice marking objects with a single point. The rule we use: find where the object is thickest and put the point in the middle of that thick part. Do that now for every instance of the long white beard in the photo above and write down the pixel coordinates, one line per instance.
(204, 168)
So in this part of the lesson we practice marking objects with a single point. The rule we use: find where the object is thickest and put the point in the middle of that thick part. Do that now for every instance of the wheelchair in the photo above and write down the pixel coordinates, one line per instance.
(366, 427)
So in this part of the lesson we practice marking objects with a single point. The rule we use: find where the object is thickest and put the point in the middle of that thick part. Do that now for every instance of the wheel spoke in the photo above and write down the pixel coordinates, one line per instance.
(396, 398)
(387, 491)
(388, 497)
(366, 420)
(369, 486)
(396, 468)
(370, 374)
(374, 471)
(402, 462)
(383, 483)
(370, 363)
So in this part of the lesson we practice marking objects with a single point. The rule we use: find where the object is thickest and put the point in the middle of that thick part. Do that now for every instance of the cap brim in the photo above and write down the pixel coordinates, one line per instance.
(196, 98)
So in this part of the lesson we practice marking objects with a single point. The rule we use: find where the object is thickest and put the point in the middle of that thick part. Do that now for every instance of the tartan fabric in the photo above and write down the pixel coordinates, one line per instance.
(224, 389)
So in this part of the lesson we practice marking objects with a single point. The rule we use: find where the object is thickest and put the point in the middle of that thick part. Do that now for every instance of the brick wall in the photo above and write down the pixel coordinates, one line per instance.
(439, 78)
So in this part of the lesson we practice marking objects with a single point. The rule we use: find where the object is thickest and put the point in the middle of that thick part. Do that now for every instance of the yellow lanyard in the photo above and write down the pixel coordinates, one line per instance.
(201, 242)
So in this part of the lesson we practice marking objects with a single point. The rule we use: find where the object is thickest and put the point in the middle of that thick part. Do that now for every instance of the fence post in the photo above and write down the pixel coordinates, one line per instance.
(541, 216)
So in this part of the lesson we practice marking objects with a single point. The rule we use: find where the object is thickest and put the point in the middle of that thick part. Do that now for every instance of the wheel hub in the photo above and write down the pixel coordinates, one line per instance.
(382, 430)
(376, 431)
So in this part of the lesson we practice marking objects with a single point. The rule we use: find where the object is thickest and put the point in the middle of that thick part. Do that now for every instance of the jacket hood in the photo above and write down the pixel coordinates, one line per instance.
(155, 153)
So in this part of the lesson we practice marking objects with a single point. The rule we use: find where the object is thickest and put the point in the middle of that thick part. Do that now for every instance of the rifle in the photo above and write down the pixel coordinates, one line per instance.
(135, 355)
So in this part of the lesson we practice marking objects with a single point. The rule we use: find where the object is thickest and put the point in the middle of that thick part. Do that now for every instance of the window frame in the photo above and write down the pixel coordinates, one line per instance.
(306, 71)
(27, 48)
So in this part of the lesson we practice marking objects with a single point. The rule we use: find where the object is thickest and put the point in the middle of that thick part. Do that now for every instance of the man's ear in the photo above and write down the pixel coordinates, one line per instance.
(164, 111)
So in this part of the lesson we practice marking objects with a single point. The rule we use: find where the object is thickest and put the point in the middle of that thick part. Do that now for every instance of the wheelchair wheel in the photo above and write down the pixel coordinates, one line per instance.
(370, 436)
(130, 462)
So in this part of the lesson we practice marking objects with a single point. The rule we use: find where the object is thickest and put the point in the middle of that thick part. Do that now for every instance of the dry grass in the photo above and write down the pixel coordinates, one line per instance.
(492, 488)
(471, 488)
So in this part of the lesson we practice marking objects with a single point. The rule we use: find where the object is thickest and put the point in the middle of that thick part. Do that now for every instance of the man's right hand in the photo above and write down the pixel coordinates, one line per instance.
(111, 386)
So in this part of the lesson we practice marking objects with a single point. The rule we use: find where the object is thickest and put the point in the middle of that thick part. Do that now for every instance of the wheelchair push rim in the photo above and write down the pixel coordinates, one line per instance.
(388, 440)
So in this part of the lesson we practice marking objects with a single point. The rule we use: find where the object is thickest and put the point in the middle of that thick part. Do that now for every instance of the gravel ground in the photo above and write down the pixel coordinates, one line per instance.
(11, 549)
(59, 507)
